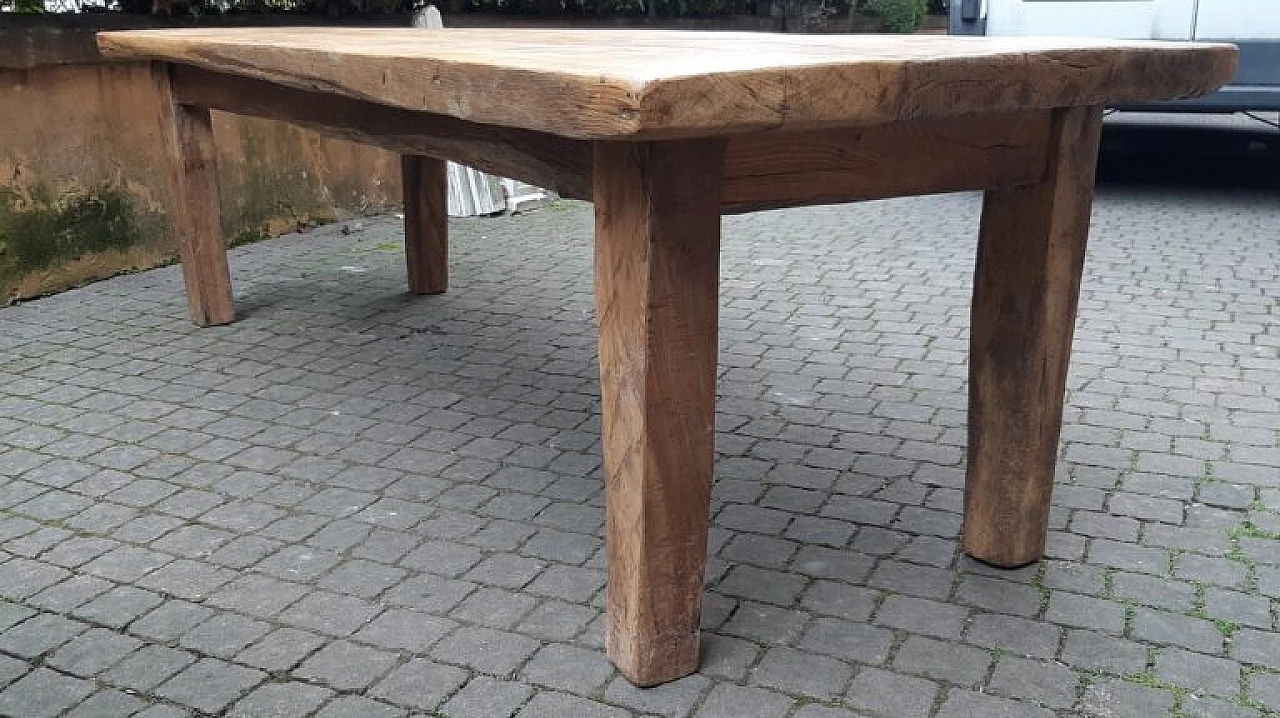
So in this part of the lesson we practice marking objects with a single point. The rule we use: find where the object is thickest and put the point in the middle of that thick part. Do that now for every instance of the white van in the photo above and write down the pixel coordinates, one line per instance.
(1253, 25)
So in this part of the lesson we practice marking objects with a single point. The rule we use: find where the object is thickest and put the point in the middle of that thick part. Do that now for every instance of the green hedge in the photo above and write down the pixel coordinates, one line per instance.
(902, 16)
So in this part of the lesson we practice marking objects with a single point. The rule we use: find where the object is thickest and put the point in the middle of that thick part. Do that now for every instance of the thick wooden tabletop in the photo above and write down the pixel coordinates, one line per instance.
(637, 84)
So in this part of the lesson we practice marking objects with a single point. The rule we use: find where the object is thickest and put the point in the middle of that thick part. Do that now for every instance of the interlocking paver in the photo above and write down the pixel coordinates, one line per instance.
(883, 693)
(419, 684)
(347, 666)
(209, 685)
(43, 694)
(348, 480)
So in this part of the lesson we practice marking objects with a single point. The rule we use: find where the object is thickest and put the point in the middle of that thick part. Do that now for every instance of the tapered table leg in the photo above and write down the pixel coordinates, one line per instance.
(1030, 257)
(656, 282)
(201, 246)
(426, 223)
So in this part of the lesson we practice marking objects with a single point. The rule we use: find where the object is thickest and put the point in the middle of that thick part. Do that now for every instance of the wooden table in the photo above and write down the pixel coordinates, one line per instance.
(667, 131)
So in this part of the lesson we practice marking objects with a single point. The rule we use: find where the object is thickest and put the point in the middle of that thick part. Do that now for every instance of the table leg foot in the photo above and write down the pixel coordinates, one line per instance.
(426, 223)
(201, 245)
(656, 282)
(1030, 258)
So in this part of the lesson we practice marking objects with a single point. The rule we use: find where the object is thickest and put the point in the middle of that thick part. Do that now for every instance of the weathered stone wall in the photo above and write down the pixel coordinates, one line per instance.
(86, 171)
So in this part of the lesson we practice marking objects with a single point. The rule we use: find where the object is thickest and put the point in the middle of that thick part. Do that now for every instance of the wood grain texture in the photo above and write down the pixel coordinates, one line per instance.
(769, 170)
(426, 223)
(619, 84)
(557, 163)
(201, 246)
(656, 273)
(1030, 258)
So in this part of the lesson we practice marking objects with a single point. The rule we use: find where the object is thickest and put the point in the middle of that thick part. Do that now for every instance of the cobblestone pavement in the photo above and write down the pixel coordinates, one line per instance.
(353, 502)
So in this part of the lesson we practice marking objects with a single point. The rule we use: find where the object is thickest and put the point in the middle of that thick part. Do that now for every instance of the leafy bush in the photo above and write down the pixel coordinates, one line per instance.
(903, 16)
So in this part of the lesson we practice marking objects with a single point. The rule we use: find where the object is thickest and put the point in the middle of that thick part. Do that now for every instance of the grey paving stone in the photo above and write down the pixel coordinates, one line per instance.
(882, 693)
(224, 635)
(1265, 688)
(92, 652)
(1155, 591)
(814, 710)
(840, 600)
(505, 571)
(999, 596)
(1044, 683)
(43, 693)
(11, 669)
(912, 579)
(1120, 699)
(726, 657)
(119, 606)
(568, 583)
(848, 641)
(298, 563)
(445, 558)
(359, 707)
(1199, 706)
(551, 705)
(1242, 608)
(835, 564)
(556, 621)
(1256, 647)
(329, 613)
(280, 650)
(568, 668)
(484, 649)
(968, 704)
(792, 671)
(766, 624)
(432, 593)
(347, 666)
(39, 634)
(729, 701)
(1079, 611)
(191, 580)
(419, 684)
(486, 697)
(1165, 628)
(209, 685)
(20, 577)
(1215, 676)
(108, 704)
(1018, 635)
(919, 615)
(671, 700)
(148, 667)
(399, 629)
(127, 563)
(1086, 649)
(70, 594)
(280, 700)
(960, 664)
(170, 620)
(763, 585)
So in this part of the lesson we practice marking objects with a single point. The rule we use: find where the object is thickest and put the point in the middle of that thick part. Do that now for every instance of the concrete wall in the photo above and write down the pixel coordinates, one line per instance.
(86, 173)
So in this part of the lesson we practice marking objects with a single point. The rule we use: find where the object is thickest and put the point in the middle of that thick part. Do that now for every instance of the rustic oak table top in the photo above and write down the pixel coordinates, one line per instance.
(634, 84)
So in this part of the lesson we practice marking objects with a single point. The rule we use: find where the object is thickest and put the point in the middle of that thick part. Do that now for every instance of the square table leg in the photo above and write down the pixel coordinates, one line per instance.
(656, 281)
(1026, 286)
(199, 223)
(426, 223)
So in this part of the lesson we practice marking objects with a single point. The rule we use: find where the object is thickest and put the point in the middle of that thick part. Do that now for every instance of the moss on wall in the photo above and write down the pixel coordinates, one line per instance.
(86, 176)
(43, 228)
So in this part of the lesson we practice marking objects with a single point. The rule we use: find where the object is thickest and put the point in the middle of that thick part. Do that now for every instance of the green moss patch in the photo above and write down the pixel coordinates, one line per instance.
(43, 229)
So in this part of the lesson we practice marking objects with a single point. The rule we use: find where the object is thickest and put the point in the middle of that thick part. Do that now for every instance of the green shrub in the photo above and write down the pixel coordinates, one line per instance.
(902, 16)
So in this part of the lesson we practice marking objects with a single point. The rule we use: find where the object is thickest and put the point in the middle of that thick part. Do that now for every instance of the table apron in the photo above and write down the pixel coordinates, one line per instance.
(763, 170)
